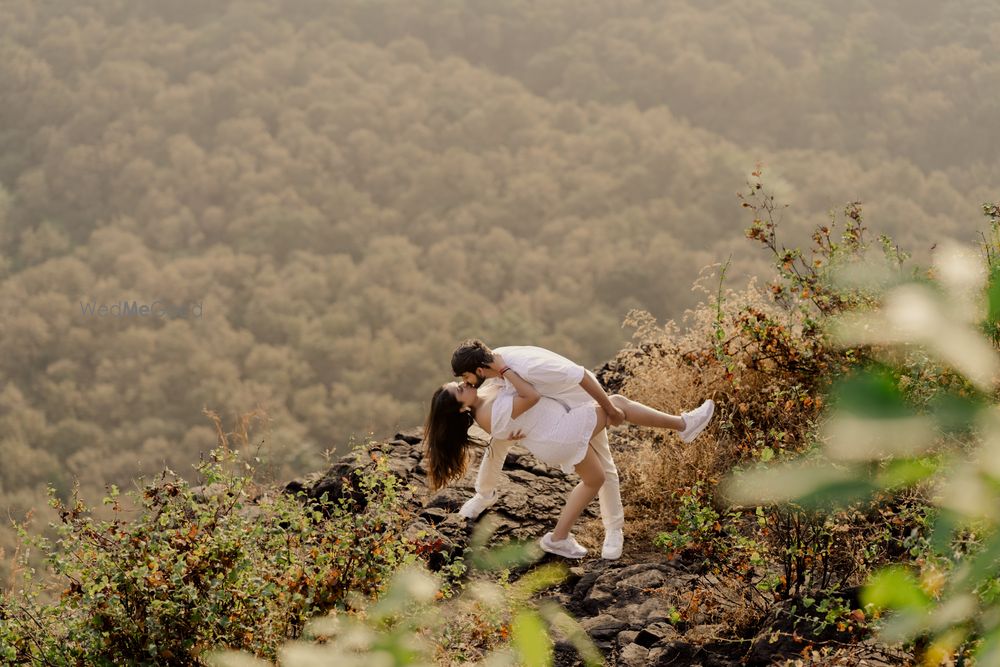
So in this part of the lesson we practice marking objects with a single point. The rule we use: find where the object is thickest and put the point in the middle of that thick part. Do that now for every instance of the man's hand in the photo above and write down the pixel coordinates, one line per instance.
(497, 364)
(590, 385)
(516, 435)
(616, 416)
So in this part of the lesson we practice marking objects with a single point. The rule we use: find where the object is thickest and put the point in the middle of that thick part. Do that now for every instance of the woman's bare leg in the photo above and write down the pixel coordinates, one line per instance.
(591, 479)
(602, 421)
(643, 415)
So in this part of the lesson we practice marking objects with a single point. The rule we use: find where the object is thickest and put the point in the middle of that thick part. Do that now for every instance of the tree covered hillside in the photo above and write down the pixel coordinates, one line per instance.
(349, 188)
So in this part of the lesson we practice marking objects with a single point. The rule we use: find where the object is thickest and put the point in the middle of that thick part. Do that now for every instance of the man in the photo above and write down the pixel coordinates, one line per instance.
(559, 378)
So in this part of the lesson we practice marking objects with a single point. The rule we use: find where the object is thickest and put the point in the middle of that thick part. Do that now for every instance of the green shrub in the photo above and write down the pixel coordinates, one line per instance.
(696, 523)
(770, 362)
(414, 624)
(923, 418)
(201, 567)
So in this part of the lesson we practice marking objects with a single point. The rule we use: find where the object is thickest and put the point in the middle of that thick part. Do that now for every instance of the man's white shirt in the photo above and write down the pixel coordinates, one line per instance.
(552, 374)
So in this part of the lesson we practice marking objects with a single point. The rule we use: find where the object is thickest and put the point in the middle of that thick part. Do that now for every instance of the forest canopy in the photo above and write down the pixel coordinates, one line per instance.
(347, 189)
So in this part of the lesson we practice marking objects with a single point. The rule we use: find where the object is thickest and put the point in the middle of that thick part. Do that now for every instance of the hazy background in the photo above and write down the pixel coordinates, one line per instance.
(350, 187)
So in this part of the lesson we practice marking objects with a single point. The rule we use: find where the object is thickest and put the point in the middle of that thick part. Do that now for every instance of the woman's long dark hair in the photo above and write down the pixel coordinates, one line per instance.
(446, 438)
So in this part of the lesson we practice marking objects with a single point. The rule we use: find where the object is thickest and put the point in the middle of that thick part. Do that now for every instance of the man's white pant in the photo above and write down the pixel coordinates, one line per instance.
(612, 512)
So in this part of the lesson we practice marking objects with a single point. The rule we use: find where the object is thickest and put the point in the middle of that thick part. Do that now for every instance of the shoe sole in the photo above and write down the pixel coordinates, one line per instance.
(704, 424)
(552, 551)
(476, 515)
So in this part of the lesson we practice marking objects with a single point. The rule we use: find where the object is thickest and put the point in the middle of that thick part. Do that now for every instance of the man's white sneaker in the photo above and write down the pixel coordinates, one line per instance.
(568, 548)
(613, 541)
(696, 420)
(475, 505)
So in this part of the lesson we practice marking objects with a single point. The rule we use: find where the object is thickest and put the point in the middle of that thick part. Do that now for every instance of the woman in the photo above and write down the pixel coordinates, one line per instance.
(552, 433)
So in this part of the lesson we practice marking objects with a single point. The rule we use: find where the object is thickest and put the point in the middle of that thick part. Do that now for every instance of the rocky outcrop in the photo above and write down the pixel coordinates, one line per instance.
(652, 612)
(531, 496)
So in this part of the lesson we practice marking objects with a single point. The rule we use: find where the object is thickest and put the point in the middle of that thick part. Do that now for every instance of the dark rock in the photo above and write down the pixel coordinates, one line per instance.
(295, 487)
(585, 583)
(612, 376)
(402, 467)
(435, 515)
(625, 608)
(412, 437)
(626, 637)
(703, 634)
(342, 480)
(603, 626)
(649, 575)
(566, 655)
(674, 654)
(657, 633)
(634, 655)
(597, 598)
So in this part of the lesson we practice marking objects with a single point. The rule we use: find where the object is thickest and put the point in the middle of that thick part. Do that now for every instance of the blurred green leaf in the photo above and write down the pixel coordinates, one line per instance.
(982, 566)
(482, 532)
(404, 647)
(408, 587)
(906, 472)
(952, 611)
(510, 555)
(955, 413)
(837, 493)
(895, 588)
(988, 652)
(993, 295)
(945, 523)
(873, 392)
(538, 579)
(850, 437)
(582, 642)
(904, 625)
(787, 482)
(531, 639)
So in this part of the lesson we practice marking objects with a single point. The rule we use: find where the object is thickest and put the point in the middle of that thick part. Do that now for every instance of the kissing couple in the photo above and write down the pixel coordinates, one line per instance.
(559, 412)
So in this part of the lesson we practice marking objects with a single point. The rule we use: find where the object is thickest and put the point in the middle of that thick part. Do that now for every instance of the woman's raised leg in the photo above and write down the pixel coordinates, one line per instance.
(591, 478)
(643, 415)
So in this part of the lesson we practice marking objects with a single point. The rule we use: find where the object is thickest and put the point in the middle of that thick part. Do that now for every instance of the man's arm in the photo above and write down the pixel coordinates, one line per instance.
(546, 368)
(596, 391)
(526, 397)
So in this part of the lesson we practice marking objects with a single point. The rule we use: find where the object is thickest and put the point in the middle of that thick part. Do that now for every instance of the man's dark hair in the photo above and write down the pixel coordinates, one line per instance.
(470, 355)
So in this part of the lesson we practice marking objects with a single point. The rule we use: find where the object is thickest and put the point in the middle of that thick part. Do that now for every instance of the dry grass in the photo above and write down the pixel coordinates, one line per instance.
(758, 404)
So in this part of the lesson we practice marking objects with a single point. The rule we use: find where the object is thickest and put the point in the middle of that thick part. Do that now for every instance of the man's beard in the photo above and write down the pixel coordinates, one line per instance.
(479, 381)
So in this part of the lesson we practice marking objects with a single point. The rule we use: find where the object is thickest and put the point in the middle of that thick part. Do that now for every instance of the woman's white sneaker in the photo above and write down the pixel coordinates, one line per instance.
(568, 548)
(696, 420)
(475, 505)
(613, 542)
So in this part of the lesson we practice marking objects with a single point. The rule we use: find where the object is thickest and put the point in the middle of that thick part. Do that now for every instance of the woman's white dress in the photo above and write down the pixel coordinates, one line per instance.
(554, 434)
